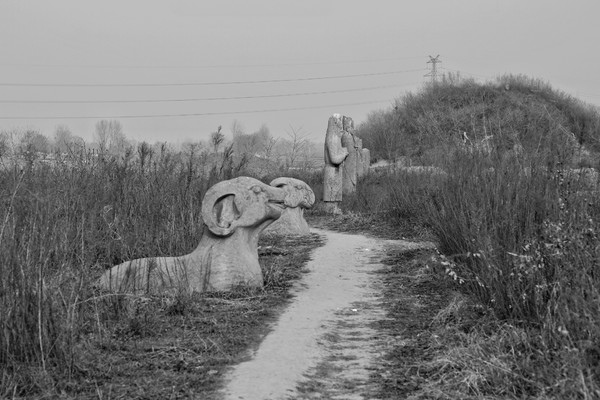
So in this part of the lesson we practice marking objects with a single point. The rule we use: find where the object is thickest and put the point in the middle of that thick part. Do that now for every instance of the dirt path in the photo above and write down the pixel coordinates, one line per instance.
(323, 345)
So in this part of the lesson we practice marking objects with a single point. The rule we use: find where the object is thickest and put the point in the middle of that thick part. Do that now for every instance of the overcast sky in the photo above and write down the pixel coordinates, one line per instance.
(184, 67)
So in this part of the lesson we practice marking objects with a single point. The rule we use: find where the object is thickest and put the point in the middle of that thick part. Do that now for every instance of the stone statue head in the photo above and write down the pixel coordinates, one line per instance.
(348, 124)
(335, 123)
(243, 202)
(297, 190)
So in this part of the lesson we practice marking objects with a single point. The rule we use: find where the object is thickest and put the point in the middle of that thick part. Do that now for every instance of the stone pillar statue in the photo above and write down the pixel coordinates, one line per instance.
(366, 159)
(351, 165)
(335, 154)
(360, 167)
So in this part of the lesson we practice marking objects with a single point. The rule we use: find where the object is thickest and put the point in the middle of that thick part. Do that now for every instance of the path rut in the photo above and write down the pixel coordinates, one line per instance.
(323, 345)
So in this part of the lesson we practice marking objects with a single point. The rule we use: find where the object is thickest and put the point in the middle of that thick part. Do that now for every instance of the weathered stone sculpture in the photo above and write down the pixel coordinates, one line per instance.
(345, 161)
(360, 167)
(351, 164)
(366, 159)
(335, 154)
(235, 212)
(292, 220)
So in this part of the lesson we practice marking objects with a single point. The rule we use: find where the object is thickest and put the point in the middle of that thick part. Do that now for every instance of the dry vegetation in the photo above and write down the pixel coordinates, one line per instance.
(517, 224)
(509, 194)
(62, 225)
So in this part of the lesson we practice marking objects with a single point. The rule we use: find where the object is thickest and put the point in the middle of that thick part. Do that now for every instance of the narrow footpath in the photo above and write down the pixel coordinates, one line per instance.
(324, 346)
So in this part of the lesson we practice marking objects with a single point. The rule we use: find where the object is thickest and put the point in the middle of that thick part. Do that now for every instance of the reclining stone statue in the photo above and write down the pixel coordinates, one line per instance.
(292, 220)
(235, 212)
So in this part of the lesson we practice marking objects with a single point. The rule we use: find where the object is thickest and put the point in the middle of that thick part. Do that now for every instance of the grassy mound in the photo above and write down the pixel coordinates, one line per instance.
(512, 113)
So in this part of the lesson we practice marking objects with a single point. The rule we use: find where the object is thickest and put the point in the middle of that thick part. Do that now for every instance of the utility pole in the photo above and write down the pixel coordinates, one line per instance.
(434, 61)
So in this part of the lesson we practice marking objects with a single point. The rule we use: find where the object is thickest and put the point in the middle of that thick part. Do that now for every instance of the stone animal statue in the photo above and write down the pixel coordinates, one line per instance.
(292, 220)
(335, 154)
(234, 212)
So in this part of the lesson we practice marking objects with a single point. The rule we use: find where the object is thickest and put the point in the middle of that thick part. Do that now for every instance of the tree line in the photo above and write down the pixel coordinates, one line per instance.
(293, 149)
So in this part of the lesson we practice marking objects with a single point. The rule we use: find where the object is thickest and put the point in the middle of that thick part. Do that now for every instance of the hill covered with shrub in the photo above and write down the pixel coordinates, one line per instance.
(513, 112)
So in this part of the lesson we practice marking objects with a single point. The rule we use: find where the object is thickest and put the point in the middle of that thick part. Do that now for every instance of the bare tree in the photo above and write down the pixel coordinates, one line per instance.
(102, 135)
(381, 134)
(217, 138)
(252, 144)
(145, 153)
(62, 138)
(4, 144)
(268, 146)
(237, 128)
(110, 137)
(298, 142)
(12, 140)
(32, 143)
(246, 144)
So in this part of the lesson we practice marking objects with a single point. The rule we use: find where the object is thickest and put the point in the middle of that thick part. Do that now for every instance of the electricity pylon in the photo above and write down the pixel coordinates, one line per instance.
(434, 61)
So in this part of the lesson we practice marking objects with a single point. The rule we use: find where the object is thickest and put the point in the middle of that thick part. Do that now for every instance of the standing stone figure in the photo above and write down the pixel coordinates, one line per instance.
(366, 159)
(351, 165)
(335, 154)
(360, 167)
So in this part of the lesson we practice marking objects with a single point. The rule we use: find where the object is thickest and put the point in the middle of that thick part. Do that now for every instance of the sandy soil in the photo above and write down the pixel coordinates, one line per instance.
(323, 345)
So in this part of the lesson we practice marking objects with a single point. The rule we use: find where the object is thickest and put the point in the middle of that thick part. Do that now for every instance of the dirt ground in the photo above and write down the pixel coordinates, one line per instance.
(326, 345)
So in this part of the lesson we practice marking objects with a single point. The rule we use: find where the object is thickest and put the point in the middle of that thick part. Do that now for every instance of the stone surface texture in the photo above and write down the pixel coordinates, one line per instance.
(360, 167)
(366, 159)
(292, 220)
(335, 154)
(235, 212)
(351, 164)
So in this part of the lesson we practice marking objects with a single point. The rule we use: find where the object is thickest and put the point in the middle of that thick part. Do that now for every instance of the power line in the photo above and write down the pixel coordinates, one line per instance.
(199, 99)
(203, 83)
(89, 66)
(196, 114)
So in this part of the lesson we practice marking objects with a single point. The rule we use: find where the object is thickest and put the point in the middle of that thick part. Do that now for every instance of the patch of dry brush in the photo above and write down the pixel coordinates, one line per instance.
(61, 226)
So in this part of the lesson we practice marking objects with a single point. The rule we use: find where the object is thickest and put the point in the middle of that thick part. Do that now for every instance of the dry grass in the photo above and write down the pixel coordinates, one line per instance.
(521, 252)
(517, 227)
(61, 225)
(448, 346)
